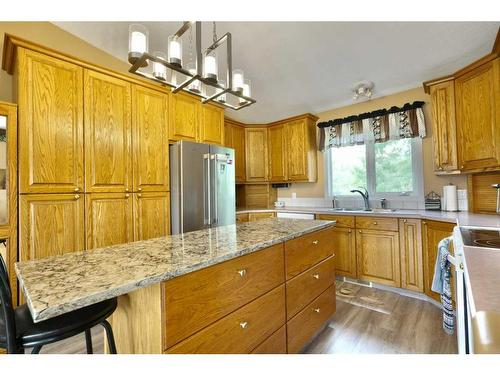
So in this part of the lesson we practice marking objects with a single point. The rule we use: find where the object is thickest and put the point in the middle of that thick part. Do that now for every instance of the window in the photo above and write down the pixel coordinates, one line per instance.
(389, 169)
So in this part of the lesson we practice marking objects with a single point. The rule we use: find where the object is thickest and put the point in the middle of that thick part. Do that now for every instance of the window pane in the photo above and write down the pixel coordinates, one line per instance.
(348, 169)
(393, 166)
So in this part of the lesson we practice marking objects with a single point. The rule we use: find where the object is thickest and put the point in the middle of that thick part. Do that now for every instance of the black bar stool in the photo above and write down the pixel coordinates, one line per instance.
(18, 331)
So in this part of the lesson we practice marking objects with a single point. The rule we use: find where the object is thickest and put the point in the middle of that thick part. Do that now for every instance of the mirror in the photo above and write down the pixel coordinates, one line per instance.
(4, 209)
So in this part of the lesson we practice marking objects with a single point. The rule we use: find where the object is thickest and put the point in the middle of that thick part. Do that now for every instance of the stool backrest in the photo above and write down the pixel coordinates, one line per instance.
(6, 308)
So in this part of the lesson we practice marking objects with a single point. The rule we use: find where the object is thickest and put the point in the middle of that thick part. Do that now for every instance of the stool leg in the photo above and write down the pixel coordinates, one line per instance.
(109, 335)
(88, 341)
(36, 349)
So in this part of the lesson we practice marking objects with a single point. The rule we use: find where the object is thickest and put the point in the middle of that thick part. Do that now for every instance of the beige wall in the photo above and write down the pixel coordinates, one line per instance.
(431, 181)
(51, 36)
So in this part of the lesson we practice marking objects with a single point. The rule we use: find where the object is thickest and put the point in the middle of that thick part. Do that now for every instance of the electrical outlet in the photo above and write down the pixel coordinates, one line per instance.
(294, 195)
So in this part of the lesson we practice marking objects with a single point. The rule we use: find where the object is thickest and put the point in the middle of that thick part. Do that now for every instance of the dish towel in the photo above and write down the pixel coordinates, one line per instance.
(441, 284)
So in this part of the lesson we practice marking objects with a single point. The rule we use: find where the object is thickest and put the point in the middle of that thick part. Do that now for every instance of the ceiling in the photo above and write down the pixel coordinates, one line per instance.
(298, 67)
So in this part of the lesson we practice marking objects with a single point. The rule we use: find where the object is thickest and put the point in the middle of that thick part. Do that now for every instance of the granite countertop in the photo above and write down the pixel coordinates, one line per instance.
(61, 284)
(460, 218)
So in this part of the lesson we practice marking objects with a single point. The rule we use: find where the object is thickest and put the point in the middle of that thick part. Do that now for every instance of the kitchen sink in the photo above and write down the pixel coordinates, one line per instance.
(375, 210)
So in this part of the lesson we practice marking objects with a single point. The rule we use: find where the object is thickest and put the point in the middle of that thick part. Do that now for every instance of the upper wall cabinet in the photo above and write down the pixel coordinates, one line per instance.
(50, 99)
(256, 154)
(292, 150)
(108, 156)
(478, 118)
(150, 139)
(212, 124)
(444, 127)
(184, 118)
(234, 137)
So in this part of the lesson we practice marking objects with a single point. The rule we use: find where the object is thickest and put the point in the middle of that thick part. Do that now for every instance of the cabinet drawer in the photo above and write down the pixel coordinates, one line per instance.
(304, 252)
(274, 344)
(241, 331)
(342, 221)
(195, 300)
(381, 223)
(255, 216)
(241, 218)
(305, 287)
(302, 328)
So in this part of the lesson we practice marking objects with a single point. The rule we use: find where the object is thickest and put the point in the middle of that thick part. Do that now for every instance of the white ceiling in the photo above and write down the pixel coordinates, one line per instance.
(298, 67)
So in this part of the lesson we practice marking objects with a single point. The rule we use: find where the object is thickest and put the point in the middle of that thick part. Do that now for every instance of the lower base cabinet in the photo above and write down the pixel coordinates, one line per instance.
(274, 344)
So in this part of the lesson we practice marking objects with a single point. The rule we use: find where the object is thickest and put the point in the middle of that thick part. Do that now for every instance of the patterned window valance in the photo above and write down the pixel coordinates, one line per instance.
(379, 126)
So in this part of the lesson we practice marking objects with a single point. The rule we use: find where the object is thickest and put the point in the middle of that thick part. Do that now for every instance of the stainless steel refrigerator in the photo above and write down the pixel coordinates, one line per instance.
(202, 186)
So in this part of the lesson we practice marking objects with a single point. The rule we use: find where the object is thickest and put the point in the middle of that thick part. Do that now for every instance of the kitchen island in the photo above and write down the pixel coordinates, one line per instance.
(266, 286)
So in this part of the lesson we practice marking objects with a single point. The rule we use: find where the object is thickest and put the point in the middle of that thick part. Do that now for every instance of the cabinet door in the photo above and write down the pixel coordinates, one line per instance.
(50, 224)
(378, 256)
(108, 219)
(432, 233)
(150, 139)
(108, 156)
(277, 153)
(297, 150)
(184, 118)
(444, 127)
(212, 124)
(256, 154)
(410, 246)
(50, 98)
(152, 215)
(238, 143)
(344, 247)
(228, 135)
(478, 117)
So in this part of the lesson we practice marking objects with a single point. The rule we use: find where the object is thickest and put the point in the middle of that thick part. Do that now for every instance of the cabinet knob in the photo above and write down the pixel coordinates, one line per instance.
(349, 231)
(462, 166)
(461, 266)
(374, 223)
(440, 168)
(139, 189)
(127, 190)
(77, 196)
(77, 189)
(127, 195)
(316, 276)
(317, 310)
(139, 195)
(242, 272)
(243, 325)
(405, 221)
(315, 242)
(359, 231)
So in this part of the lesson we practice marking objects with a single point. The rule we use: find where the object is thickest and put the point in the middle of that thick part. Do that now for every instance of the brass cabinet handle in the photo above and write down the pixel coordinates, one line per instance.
(242, 272)
(139, 195)
(405, 221)
(461, 266)
(359, 231)
(462, 166)
(317, 310)
(127, 195)
(316, 276)
(77, 189)
(77, 196)
(374, 223)
(139, 189)
(127, 190)
(243, 325)
(349, 231)
(315, 242)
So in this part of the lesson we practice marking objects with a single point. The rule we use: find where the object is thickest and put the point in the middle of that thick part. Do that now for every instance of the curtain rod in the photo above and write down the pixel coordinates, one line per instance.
(378, 112)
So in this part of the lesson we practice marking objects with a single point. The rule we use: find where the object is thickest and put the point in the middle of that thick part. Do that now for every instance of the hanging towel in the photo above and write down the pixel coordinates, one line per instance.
(441, 284)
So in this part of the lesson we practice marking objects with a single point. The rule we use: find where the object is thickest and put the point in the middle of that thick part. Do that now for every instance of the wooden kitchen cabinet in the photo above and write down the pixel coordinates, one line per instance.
(108, 152)
(344, 247)
(212, 125)
(150, 139)
(378, 256)
(256, 216)
(444, 127)
(277, 153)
(109, 219)
(50, 98)
(410, 246)
(478, 117)
(151, 215)
(234, 137)
(184, 118)
(256, 154)
(432, 233)
(50, 224)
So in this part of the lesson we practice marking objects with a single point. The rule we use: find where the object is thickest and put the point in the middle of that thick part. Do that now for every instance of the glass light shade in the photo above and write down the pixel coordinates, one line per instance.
(221, 98)
(175, 50)
(210, 67)
(194, 86)
(238, 80)
(247, 90)
(160, 70)
(137, 42)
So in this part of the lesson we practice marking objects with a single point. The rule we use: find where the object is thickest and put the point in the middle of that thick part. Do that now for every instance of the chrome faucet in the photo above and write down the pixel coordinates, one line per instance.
(365, 197)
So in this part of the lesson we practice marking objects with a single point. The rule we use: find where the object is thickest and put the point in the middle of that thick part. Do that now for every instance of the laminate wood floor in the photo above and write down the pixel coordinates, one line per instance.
(404, 325)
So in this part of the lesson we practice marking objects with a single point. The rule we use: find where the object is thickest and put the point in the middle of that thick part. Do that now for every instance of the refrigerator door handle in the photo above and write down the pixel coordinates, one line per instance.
(206, 189)
(215, 219)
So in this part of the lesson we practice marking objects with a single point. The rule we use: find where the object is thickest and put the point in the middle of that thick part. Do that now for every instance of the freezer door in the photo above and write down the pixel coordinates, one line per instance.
(190, 186)
(222, 189)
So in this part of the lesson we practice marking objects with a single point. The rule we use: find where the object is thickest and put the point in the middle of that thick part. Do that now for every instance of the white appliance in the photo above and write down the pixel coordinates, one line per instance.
(294, 215)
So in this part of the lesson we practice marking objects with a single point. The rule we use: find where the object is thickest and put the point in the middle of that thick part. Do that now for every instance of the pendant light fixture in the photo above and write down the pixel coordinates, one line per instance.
(200, 75)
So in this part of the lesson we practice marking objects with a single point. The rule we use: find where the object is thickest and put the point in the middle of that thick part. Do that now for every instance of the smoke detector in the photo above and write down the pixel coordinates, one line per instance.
(362, 89)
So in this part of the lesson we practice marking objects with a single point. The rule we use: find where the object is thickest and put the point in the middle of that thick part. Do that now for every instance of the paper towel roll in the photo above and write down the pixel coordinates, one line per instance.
(450, 198)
